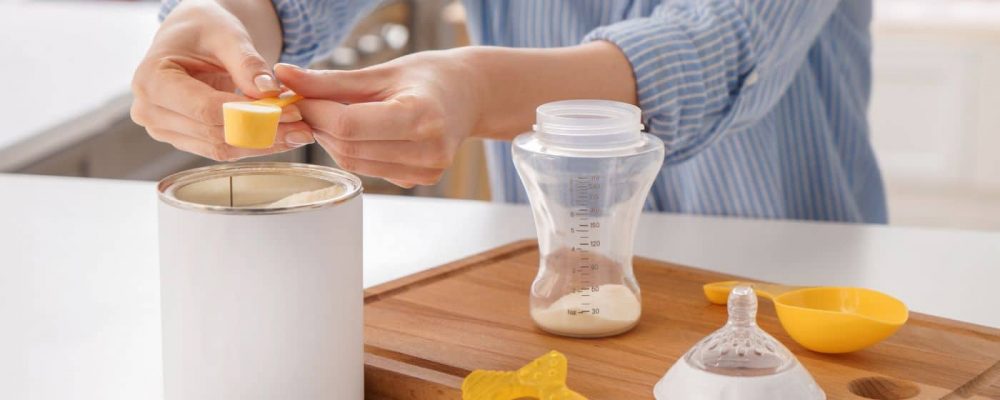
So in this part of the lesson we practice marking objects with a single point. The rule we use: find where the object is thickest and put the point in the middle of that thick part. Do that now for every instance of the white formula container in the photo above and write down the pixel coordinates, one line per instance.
(262, 297)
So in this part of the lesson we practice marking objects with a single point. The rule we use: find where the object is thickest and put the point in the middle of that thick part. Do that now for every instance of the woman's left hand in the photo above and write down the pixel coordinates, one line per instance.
(403, 120)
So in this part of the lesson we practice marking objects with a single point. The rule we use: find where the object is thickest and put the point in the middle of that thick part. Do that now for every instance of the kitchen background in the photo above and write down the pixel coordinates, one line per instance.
(935, 111)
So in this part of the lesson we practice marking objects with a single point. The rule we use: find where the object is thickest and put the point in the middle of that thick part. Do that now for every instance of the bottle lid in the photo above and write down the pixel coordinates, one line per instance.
(586, 124)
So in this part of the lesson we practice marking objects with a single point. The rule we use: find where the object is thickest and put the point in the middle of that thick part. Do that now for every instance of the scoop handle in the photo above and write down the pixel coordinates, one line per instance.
(718, 292)
(280, 101)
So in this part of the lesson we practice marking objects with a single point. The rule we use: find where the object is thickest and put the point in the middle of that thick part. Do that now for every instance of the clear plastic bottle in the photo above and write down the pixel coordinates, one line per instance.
(587, 169)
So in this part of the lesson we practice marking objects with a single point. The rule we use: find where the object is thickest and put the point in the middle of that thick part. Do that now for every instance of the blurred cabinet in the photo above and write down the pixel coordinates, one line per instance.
(986, 122)
(923, 109)
(124, 151)
(935, 117)
(935, 111)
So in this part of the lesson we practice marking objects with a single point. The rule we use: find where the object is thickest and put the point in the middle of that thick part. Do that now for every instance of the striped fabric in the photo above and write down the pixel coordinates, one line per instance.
(761, 103)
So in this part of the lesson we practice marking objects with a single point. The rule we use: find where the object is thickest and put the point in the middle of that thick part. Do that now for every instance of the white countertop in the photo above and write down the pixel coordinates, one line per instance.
(66, 68)
(79, 306)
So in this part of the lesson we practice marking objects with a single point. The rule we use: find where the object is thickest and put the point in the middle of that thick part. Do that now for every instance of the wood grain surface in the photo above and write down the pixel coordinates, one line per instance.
(424, 333)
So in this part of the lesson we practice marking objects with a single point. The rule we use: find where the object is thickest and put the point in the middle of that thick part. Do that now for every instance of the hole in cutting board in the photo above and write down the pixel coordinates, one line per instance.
(881, 388)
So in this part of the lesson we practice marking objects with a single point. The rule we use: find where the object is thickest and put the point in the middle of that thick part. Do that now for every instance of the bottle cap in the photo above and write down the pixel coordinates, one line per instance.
(583, 124)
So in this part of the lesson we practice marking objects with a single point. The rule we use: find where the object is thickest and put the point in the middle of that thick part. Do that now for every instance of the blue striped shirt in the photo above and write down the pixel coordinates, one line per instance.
(761, 103)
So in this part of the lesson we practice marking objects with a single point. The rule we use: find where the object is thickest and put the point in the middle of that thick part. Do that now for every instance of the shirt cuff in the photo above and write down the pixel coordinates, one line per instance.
(677, 92)
(298, 28)
(166, 6)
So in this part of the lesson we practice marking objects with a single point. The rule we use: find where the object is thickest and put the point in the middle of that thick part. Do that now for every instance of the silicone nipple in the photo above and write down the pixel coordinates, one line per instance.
(543, 379)
(738, 361)
(741, 348)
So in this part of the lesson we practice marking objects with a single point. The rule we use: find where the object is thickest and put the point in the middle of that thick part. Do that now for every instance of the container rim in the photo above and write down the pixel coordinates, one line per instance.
(167, 187)
(589, 124)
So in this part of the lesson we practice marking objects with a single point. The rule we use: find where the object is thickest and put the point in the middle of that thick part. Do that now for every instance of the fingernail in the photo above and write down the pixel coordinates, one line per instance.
(290, 66)
(299, 138)
(291, 116)
(265, 83)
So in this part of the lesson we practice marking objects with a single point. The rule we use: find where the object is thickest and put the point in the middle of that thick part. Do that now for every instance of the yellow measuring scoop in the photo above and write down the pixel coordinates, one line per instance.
(826, 319)
(254, 124)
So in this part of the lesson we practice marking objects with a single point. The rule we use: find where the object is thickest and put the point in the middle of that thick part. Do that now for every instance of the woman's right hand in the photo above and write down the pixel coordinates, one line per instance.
(201, 54)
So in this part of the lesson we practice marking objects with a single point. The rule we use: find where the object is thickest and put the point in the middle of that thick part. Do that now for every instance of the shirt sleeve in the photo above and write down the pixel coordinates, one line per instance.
(310, 28)
(707, 67)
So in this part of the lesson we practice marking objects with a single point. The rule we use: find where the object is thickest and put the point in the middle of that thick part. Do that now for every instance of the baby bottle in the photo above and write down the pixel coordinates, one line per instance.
(587, 169)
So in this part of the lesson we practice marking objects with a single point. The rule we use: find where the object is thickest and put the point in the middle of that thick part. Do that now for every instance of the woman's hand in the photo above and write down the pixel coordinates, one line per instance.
(402, 120)
(202, 53)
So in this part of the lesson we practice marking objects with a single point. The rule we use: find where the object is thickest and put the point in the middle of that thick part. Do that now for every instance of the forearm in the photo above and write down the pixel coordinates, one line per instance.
(258, 17)
(707, 68)
(511, 83)
(261, 22)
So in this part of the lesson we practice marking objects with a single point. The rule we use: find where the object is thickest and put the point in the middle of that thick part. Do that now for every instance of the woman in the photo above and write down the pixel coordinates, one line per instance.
(761, 104)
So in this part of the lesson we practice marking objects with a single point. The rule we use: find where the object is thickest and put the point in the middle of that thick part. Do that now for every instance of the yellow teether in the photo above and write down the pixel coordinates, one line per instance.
(543, 379)
(254, 124)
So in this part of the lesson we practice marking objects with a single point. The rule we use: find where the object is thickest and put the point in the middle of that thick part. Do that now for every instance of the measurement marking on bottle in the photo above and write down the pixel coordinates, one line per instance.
(584, 208)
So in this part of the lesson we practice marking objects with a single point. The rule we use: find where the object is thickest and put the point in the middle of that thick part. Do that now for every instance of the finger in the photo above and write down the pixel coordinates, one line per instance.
(290, 113)
(388, 120)
(323, 115)
(424, 153)
(345, 86)
(162, 119)
(172, 88)
(402, 184)
(237, 153)
(387, 170)
(295, 134)
(214, 151)
(251, 74)
(391, 171)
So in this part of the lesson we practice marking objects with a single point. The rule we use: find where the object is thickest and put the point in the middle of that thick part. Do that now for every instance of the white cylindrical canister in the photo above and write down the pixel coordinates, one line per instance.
(260, 279)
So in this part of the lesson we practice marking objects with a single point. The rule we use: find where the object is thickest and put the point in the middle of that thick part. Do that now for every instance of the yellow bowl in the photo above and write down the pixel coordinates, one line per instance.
(839, 320)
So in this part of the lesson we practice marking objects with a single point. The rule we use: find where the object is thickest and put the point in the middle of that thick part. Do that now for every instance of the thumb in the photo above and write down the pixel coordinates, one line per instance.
(250, 72)
(342, 86)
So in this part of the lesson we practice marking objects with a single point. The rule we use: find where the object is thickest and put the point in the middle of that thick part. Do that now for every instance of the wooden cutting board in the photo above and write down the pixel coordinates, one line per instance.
(424, 333)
